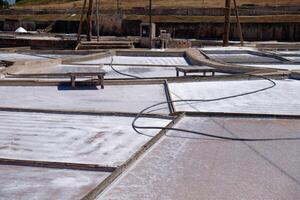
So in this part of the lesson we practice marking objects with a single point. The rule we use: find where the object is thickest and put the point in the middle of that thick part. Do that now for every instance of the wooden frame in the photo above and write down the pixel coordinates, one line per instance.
(196, 69)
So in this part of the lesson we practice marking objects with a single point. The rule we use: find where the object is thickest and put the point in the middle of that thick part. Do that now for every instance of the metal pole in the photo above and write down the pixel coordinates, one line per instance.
(226, 23)
(81, 21)
(150, 23)
(238, 23)
(89, 19)
(97, 18)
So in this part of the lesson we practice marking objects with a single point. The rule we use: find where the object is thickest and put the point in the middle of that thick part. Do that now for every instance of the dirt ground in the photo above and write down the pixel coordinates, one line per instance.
(127, 4)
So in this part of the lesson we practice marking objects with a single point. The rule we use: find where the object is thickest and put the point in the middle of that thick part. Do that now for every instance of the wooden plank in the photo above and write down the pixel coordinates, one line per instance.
(57, 165)
(195, 69)
(120, 170)
(76, 112)
(67, 71)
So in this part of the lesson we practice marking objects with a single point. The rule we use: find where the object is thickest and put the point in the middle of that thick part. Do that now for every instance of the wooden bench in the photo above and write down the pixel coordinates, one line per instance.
(71, 72)
(195, 69)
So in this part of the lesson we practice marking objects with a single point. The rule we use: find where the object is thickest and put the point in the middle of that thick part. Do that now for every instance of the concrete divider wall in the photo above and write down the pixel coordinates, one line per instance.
(38, 44)
(197, 58)
(150, 53)
(28, 65)
(70, 60)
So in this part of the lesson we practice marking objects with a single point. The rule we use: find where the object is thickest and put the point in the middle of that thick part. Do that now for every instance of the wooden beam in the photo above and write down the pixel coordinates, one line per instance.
(238, 23)
(57, 165)
(89, 20)
(150, 23)
(133, 159)
(97, 18)
(226, 23)
(81, 21)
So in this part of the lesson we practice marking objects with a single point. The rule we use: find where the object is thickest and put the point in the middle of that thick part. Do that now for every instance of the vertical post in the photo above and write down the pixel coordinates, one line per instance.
(97, 18)
(238, 23)
(118, 6)
(89, 19)
(150, 23)
(81, 21)
(226, 23)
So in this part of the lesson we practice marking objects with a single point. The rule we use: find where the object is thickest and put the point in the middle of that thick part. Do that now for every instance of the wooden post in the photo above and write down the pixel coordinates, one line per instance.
(238, 23)
(81, 21)
(118, 6)
(97, 18)
(89, 19)
(73, 81)
(100, 81)
(227, 23)
(150, 23)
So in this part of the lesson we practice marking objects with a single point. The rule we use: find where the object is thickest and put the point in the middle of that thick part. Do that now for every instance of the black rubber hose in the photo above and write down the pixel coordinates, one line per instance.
(121, 73)
(139, 115)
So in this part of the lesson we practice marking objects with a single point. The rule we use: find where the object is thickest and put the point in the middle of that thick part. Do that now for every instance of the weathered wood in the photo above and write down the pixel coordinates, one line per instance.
(195, 69)
(122, 169)
(101, 81)
(238, 23)
(89, 20)
(81, 21)
(71, 73)
(97, 19)
(57, 165)
(73, 80)
(150, 23)
(226, 23)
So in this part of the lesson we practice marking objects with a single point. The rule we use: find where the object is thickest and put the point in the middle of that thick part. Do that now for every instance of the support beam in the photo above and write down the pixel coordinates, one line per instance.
(57, 165)
(81, 21)
(97, 18)
(150, 23)
(227, 23)
(238, 23)
(118, 6)
(89, 20)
